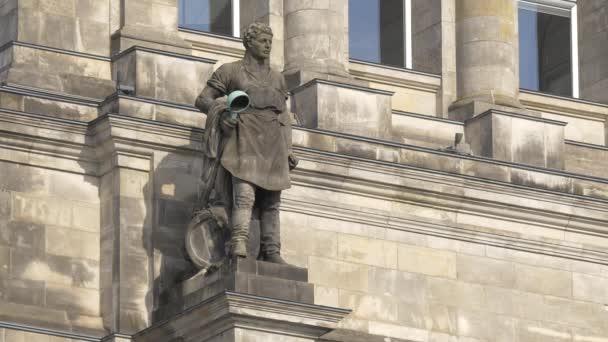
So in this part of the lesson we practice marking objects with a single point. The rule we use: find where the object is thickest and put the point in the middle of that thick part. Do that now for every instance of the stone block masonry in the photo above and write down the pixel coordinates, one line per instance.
(50, 249)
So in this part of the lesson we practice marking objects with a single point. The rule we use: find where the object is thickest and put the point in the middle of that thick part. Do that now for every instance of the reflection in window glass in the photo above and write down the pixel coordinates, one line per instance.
(545, 62)
(206, 15)
(376, 31)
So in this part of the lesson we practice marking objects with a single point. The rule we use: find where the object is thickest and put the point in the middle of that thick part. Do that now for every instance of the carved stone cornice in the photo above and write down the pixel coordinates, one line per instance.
(231, 310)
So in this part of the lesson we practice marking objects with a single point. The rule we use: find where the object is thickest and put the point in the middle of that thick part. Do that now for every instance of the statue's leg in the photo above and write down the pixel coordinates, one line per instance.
(243, 200)
(270, 226)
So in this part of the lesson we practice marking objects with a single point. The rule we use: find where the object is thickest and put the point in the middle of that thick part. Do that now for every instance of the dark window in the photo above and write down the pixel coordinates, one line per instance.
(545, 62)
(377, 31)
(206, 15)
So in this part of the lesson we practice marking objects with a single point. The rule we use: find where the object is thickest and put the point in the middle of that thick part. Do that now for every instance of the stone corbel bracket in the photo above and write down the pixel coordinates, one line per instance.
(231, 314)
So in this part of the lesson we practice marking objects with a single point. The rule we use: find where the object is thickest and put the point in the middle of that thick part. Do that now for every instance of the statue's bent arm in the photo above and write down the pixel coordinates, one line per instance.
(205, 100)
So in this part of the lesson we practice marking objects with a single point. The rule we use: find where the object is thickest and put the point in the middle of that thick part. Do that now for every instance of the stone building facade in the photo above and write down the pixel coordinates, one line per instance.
(435, 203)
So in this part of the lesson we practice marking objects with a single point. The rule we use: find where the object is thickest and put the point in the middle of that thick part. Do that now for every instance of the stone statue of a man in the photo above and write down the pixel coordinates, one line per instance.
(254, 149)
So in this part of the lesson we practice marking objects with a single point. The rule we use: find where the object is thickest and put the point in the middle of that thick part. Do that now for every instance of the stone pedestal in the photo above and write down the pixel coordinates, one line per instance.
(161, 75)
(245, 300)
(344, 108)
(517, 138)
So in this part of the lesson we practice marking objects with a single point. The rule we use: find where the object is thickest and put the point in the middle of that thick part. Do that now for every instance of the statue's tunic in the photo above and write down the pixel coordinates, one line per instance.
(257, 149)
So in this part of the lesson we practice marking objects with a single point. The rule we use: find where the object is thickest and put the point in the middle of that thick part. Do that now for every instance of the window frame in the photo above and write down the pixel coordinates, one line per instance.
(569, 7)
(236, 22)
(407, 36)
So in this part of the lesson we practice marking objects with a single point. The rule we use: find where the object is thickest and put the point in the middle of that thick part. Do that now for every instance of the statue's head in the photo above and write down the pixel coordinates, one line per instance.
(257, 39)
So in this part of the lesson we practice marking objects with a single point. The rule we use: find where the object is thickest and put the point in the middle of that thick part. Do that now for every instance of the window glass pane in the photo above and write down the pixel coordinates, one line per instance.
(206, 15)
(376, 31)
(545, 62)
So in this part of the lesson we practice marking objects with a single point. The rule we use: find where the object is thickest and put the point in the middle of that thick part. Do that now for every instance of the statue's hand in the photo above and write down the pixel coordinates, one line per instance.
(228, 123)
(292, 160)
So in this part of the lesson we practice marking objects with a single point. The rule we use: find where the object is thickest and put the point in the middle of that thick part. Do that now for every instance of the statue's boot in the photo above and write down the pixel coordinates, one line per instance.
(241, 217)
(270, 235)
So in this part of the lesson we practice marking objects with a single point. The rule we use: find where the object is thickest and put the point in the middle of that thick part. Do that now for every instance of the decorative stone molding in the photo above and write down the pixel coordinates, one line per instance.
(230, 311)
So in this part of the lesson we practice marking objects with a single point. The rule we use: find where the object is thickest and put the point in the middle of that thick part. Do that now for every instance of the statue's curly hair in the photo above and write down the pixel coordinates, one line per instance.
(253, 30)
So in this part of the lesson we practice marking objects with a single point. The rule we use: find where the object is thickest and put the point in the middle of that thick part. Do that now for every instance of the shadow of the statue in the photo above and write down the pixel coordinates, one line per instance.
(176, 192)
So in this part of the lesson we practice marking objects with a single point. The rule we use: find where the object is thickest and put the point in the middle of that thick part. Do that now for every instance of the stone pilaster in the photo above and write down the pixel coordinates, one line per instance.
(486, 55)
(316, 40)
(593, 50)
(125, 237)
(448, 89)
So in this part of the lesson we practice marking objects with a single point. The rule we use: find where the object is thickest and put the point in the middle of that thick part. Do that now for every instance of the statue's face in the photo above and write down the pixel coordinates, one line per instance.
(260, 46)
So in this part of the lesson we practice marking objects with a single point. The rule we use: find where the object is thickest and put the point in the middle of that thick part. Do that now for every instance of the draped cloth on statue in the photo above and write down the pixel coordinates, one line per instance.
(257, 149)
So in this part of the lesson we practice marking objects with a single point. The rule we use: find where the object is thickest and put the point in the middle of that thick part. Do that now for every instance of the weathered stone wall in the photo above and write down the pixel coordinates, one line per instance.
(372, 254)
(81, 76)
(74, 25)
(425, 288)
(49, 246)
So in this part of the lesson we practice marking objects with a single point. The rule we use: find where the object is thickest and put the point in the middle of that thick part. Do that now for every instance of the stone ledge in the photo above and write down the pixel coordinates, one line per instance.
(57, 50)
(153, 110)
(400, 77)
(563, 105)
(325, 143)
(206, 42)
(342, 85)
(473, 167)
(49, 332)
(164, 53)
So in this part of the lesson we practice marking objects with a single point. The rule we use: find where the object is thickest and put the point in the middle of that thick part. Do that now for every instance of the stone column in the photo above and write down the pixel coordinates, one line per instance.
(593, 50)
(486, 55)
(316, 40)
